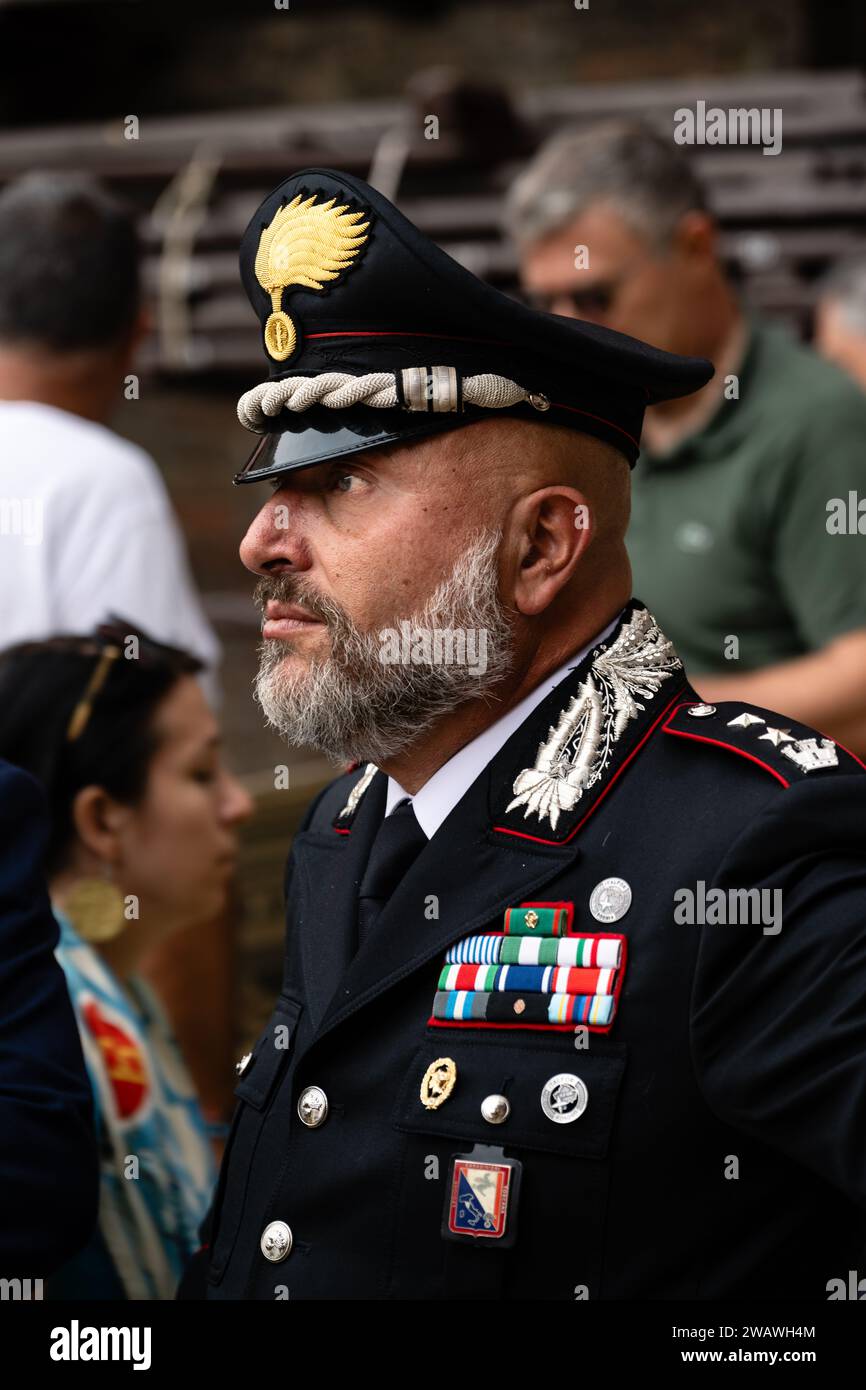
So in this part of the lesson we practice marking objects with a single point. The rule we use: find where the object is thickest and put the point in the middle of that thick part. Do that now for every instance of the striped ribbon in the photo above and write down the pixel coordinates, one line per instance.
(587, 951)
(539, 979)
(494, 1006)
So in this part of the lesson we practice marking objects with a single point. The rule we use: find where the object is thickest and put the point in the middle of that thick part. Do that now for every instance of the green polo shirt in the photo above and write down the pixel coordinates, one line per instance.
(729, 533)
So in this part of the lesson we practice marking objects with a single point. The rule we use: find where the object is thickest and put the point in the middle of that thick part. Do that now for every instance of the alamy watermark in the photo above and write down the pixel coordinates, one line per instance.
(20, 1290)
(733, 907)
(425, 646)
(77, 1343)
(738, 125)
(846, 516)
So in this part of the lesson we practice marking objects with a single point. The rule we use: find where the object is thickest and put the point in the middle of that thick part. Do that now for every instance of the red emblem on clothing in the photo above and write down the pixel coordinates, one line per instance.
(124, 1063)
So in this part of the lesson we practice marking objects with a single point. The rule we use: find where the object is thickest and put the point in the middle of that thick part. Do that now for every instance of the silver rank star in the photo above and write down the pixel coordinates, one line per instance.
(809, 755)
(744, 721)
(776, 736)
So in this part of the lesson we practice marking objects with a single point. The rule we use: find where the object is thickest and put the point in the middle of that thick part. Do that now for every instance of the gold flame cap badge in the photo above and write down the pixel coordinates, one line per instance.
(308, 245)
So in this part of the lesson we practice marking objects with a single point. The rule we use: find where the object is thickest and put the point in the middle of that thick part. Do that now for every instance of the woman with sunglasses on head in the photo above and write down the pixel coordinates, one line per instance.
(142, 844)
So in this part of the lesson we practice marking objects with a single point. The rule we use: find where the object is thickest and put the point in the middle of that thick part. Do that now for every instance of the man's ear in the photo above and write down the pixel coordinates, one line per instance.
(696, 235)
(99, 821)
(554, 526)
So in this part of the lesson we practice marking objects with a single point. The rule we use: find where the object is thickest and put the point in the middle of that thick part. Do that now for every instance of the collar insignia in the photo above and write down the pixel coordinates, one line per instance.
(578, 750)
(306, 245)
(344, 817)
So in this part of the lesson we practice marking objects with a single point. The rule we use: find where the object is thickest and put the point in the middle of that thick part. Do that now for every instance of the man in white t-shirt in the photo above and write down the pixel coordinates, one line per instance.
(86, 525)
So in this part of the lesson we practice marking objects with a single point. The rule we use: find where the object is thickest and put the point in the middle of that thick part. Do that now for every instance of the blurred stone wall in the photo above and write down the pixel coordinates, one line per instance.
(82, 61)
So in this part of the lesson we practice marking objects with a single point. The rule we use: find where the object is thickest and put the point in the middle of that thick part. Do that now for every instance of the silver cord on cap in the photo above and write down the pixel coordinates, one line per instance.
(437, 389)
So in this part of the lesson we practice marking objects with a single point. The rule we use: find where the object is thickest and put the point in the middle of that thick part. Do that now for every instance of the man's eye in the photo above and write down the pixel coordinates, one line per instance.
(597, 301)
(343, 481)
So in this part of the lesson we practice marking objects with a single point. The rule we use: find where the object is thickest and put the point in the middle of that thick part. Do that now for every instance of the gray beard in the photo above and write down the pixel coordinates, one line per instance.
(353, 705)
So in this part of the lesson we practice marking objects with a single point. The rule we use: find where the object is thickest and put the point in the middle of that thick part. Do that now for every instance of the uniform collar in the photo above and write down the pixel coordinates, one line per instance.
(438, 797)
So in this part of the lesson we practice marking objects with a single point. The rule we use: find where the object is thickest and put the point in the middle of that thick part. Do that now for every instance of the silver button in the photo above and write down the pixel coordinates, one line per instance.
(701, 711)
(610, 900)
(241, 1066)
(313, 1107)
(495, 1109)
(564, 1098)
(276, 1241)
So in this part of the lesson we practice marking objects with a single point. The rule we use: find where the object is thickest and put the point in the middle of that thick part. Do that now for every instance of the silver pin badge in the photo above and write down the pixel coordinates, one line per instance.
(610, 900)
(564, 1098)
(701, 711)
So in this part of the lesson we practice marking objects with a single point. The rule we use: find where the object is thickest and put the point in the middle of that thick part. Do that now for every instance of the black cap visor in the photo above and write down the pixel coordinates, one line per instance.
(320, 434)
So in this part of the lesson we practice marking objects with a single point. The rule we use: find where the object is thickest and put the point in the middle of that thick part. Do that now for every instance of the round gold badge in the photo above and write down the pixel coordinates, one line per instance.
(438, 1083)
(280, 336)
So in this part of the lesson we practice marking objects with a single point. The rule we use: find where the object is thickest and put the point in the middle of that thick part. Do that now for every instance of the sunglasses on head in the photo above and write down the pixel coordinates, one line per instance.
(108, 643)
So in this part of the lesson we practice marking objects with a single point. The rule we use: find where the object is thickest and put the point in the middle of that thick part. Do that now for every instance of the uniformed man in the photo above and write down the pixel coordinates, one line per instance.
(574, 993)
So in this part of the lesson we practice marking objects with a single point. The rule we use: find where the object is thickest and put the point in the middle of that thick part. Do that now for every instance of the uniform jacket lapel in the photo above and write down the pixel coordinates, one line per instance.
(464, 877)
(329, 866)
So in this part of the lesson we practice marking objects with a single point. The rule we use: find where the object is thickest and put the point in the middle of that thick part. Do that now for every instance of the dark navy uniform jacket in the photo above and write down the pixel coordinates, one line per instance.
(49, 1178)
(722, 1149)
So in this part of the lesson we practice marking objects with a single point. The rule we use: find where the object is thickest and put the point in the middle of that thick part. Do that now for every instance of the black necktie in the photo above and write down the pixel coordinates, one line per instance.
(398, 841)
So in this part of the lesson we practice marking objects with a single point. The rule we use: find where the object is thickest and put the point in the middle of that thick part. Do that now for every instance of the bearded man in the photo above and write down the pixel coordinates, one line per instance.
(574, 981)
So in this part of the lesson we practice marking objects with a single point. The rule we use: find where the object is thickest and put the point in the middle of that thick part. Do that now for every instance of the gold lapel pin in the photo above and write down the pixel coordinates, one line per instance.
(438, 1083)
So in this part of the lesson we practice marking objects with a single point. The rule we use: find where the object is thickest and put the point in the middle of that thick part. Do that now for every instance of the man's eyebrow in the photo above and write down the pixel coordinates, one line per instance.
(369, 456)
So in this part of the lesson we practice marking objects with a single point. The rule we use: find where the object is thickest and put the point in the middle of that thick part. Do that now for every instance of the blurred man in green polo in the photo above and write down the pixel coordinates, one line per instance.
(746, 539)
(840, 317)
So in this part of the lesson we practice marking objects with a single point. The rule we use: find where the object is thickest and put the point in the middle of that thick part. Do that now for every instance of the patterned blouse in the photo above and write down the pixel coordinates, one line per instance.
(157, 1169)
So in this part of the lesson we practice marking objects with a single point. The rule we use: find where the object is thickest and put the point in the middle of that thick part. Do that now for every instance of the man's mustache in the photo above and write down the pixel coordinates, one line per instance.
(290, 588)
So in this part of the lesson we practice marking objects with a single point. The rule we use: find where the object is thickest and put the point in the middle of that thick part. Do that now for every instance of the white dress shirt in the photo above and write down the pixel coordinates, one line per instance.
(438, 797)
(87, 528)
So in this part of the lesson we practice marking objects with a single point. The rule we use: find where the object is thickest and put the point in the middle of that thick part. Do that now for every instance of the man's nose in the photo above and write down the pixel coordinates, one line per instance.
(272, 539)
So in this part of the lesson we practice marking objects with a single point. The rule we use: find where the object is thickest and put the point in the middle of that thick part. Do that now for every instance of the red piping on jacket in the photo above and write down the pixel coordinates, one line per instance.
(735, 748)
(718, 743)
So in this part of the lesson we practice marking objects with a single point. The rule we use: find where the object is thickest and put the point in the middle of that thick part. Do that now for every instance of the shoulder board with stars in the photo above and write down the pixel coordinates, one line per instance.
(787, 750)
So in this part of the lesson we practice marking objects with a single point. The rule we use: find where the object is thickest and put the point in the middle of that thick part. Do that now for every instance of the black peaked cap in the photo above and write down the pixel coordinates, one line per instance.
(342, 282)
